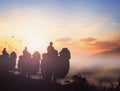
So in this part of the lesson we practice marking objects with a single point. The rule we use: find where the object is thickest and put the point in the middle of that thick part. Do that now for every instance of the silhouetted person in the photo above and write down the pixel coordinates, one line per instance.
(35, 63)
(49, 65)
(25, 51)
(63, 63)
(4, 52)
(0, 62)
(5, 62)
(44, 65)
(50, 48)
(13, 57)
(20, 64)
(25, 62)
(51, 62)
(54, 65)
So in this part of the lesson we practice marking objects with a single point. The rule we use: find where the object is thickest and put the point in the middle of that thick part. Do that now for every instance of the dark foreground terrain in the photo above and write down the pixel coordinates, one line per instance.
(12, 82)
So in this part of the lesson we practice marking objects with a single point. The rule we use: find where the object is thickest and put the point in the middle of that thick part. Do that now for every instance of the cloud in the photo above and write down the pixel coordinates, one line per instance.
(105, 44)
(65, 39)
(94, 43)
(89, 39)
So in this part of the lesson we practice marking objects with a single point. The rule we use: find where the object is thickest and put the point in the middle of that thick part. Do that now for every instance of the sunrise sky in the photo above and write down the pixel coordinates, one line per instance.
(84, 26)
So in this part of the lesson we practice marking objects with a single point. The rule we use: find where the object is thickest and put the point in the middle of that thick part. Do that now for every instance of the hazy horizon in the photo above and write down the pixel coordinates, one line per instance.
(85, 27)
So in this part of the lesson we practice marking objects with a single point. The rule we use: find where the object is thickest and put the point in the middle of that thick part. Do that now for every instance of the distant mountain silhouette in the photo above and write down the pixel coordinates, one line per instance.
(112, 52)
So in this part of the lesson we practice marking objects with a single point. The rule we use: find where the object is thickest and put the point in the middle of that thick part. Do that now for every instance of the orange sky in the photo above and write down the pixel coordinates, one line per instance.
(36, 25)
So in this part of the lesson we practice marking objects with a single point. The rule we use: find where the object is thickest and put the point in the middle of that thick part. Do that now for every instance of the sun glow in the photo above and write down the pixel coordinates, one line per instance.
(34, 44)
(35, 41)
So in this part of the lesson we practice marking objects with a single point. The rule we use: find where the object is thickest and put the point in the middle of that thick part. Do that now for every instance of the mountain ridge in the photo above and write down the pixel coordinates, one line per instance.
(111, 52)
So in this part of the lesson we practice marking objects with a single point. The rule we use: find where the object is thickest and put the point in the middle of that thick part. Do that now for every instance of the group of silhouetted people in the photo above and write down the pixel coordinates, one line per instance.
(29, 64)
(7, 62)
(52, 65)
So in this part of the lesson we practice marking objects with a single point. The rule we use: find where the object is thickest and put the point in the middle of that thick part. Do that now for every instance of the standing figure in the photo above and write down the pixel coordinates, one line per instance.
(54, 65)
(35, 63)
(13, 57)
(50, 48)
(4, 52)
(5, 61)
(24, 63)
(20, 64)
(44, 66)
(63, 63)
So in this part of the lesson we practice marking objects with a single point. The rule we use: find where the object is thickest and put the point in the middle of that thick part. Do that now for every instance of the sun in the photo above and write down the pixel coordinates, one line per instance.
(35, 44)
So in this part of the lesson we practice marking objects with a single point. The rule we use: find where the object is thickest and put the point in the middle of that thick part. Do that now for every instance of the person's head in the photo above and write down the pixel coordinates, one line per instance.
(4, 49)
(25, 51)
(25, 48)
(51, 43)
(4, 52)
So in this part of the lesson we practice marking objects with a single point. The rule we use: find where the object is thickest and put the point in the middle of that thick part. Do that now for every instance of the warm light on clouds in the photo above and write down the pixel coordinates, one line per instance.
(86, 27)
(89, 39)
(81, 28)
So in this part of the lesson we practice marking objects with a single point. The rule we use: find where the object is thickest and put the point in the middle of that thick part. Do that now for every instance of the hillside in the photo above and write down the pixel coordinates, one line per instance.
(112, 52)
